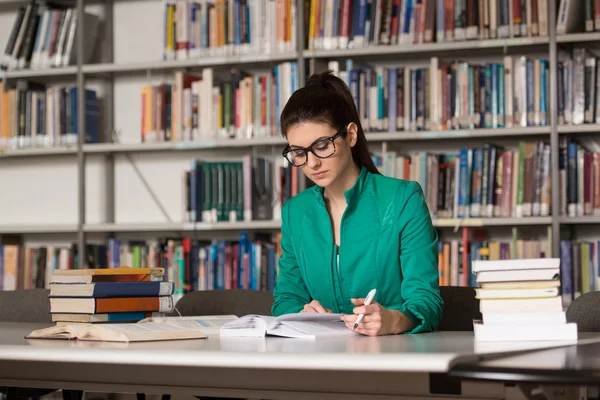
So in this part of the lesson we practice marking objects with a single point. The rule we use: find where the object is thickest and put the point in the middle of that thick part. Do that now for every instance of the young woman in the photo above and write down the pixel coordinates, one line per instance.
(355, 230)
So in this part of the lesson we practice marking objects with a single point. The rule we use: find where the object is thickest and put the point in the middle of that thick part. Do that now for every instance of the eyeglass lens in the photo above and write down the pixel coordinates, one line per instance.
(322, 149)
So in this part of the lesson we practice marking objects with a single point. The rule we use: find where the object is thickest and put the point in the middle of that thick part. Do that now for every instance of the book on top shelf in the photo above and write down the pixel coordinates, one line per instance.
(217, 104)
(388, 22)
(35, 115)
(483, 182)
(43, 36)
(228, 28)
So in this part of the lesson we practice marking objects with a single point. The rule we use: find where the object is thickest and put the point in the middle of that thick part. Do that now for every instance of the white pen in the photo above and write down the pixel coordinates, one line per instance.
(368, 301)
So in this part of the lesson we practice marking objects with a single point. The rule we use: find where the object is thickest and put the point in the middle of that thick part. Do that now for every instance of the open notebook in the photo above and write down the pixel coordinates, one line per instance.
(298, 325)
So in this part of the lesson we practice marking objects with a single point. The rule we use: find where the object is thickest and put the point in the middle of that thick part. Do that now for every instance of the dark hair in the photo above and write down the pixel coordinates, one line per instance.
(325, 98)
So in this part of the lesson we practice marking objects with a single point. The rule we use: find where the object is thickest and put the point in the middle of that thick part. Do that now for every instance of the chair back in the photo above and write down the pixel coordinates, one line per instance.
(584, 311)
(238, 302)
(460, 308)
(25, 305)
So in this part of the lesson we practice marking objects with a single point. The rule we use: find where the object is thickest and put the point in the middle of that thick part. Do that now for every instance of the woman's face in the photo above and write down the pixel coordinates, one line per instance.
(335, 153)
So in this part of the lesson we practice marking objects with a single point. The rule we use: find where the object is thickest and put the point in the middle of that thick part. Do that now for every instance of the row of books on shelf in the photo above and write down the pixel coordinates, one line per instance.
(217, 104)
(456, 256)
(195, 29)
(43, 36)
(36, 115)
(196, 264)
(351, 24)
(465, 95)
(483, 182)
(191, 264)
(493, 181)
(235, 104)
(579, 268)
(253, 189)
(579, 170)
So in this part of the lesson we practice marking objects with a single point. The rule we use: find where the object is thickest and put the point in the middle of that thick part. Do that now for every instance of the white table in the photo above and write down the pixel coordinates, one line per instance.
(258, 368)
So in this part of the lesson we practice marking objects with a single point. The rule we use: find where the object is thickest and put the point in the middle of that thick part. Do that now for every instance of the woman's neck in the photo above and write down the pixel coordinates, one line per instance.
(335, 192)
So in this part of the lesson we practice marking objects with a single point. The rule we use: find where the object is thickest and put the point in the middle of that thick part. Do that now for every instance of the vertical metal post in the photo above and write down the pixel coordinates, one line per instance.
(109, 119)
(554, 146)
(301, 61)
(300, 42)
(81, 242)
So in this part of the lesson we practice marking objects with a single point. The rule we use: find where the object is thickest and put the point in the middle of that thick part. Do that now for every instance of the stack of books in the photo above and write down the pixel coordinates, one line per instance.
(520, 301)
(105, 295)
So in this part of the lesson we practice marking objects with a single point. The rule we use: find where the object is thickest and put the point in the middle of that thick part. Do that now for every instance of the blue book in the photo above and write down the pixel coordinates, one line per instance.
(100, 290)
(108, 317)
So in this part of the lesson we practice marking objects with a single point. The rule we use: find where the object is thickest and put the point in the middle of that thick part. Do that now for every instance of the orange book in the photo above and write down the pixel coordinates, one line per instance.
(70, 305)
(121, 274)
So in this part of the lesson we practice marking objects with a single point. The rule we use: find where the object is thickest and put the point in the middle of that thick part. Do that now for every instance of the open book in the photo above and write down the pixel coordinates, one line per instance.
(128, 332)
(210, 324)
(298, 325)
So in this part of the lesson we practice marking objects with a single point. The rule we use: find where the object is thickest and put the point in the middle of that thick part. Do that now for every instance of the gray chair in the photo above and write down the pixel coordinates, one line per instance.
(238, 302)
(584, 311)
(30, 305)
(460, 308)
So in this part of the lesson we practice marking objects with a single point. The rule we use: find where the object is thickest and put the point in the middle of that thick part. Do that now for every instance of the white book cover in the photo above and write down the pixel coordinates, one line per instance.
(524, 264)
(518, 333)
(551, 304)
(516, 293)
(518, 275)
(525, 318)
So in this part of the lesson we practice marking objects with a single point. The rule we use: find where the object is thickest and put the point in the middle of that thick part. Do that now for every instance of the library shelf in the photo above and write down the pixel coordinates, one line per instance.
(180, 146)
(37, 152)
(484, 222)
(492, 133)
(108, 148)
(583, 128)
(273, 225)
(160, 65)
(182, 226)
(452, 134)
(276, 225)
(204, 61)
(578, 37)
(38, 73)
(434, 47)
(584, 219)
(37, 228)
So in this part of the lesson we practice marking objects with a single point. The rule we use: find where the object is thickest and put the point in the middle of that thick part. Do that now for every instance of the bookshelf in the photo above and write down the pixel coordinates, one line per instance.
(106, 72)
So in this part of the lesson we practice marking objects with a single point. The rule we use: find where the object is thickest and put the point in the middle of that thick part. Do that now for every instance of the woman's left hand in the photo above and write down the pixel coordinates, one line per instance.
(377, 321)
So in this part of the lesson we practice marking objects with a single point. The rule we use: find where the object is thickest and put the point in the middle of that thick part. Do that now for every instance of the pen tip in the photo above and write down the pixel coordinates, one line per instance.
(354, 328)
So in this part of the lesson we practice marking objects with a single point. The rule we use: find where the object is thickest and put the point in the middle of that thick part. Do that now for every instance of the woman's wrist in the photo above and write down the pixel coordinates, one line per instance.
(402, 323)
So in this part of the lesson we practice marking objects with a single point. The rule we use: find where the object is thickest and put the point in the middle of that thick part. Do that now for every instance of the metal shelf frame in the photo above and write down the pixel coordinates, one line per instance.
(307, 59)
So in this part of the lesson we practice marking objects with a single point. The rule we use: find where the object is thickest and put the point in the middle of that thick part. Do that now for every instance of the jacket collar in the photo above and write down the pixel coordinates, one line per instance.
(354, 192)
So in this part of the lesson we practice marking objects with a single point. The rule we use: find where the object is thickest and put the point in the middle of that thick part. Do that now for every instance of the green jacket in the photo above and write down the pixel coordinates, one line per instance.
(387, 242)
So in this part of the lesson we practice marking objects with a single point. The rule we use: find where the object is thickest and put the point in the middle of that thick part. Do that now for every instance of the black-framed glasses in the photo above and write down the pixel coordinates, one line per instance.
(322, 148)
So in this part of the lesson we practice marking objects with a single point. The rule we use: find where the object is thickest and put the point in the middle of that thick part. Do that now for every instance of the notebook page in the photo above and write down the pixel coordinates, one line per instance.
(310, 329)
(249, 325)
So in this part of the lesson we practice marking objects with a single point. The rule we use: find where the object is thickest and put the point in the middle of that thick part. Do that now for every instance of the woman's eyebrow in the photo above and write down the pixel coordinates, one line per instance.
(301, 147)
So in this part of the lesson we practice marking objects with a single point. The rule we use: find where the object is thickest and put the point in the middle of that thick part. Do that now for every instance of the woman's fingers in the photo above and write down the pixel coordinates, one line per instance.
(308, 308)
(368, 318)
(318, 307)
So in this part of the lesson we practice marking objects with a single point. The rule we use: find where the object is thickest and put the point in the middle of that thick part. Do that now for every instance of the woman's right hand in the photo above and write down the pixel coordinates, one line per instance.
(316, 307)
